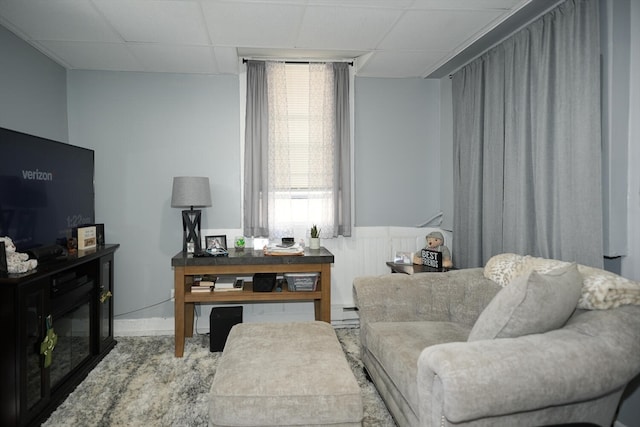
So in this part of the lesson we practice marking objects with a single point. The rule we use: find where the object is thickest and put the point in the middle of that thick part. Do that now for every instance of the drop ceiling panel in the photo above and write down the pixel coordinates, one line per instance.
(70, 20)
(175, 59)
(345, 27)
(252, 24)
(173, 22)
(388, 4)
(467, 4)
(437, 29)
(94, 56)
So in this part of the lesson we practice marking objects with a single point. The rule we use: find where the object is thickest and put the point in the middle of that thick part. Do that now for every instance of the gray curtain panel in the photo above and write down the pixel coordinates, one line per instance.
(527, 143)
(256, 137)
(342, 171)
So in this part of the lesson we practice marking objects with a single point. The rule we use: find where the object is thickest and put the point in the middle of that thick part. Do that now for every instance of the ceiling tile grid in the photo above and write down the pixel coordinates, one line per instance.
(386, 38)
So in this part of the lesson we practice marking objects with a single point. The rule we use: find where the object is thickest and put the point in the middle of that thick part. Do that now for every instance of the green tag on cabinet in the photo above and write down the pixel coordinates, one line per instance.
(49, 343)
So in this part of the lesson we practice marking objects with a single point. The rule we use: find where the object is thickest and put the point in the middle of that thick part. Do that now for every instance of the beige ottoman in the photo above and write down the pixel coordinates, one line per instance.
(284, 374)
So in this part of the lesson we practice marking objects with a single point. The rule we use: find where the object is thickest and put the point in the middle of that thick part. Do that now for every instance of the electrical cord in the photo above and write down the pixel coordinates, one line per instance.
(196, 324)
(142, 308)
(203, 335)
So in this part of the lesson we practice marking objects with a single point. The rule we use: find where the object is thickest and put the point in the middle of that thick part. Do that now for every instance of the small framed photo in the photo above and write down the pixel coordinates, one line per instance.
(403, 258)
(87, 238)
(216, 242)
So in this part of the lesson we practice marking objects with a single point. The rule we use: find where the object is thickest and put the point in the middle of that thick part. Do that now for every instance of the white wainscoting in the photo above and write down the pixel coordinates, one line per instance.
(363, 254)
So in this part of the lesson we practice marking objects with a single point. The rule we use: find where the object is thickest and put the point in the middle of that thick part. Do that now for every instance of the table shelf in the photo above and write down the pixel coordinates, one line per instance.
(248, 295)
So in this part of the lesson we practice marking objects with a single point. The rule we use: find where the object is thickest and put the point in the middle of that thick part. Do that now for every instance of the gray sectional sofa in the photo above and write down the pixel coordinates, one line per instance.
(501, 346)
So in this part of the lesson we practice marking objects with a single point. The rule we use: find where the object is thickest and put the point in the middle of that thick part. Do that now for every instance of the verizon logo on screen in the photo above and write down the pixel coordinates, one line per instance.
(37, 175)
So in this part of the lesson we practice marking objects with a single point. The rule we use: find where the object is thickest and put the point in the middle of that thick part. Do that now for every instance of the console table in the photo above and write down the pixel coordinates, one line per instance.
(245, 263)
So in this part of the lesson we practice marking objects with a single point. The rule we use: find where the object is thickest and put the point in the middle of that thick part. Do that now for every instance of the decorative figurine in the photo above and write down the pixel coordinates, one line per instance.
(435, 242)
(72, 245)
(16, 262)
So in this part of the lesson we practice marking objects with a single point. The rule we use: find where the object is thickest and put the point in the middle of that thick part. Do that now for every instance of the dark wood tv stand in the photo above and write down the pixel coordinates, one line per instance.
(76, 291)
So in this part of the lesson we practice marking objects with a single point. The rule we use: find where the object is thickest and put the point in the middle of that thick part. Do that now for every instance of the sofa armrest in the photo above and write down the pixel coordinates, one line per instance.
(456, 296)
(588, 358)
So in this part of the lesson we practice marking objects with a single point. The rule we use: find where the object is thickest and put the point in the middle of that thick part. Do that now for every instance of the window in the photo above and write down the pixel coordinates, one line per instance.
(301, 147)
(294, 163)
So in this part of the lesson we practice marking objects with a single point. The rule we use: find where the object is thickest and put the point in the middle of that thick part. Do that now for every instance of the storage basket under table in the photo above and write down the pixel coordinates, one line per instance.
(301, 281)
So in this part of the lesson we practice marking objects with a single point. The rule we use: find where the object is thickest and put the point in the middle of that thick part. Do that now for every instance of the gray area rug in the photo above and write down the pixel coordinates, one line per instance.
(141, 383)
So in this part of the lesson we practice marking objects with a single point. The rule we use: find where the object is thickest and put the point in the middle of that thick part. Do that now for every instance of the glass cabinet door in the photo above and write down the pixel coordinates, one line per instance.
(34, 377)
(105, 302)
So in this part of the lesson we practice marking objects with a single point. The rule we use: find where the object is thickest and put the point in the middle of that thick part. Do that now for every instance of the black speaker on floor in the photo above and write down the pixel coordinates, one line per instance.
(221, 320)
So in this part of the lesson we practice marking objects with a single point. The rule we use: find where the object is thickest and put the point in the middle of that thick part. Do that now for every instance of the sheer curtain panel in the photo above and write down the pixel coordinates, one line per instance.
(527, 144)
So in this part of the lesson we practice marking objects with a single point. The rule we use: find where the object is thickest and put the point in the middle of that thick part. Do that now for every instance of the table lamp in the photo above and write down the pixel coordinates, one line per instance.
(190, 191)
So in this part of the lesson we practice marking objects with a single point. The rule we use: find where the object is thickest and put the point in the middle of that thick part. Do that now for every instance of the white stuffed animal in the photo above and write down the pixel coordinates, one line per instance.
(17, 262)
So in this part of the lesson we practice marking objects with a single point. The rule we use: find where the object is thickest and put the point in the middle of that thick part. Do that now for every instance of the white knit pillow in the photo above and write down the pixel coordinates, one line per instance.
(503, 268)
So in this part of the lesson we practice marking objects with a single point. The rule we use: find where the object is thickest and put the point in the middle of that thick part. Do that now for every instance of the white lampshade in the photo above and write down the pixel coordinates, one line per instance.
(190, 191)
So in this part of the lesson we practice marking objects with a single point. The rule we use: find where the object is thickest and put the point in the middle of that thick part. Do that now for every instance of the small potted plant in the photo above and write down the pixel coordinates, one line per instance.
(314, 242)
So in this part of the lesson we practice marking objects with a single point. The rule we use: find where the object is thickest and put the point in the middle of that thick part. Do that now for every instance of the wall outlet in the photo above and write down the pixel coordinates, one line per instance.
(173, 294)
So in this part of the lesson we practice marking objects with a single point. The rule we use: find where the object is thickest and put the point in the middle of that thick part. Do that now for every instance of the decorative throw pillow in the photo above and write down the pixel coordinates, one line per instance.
(603, 290)
(502, 268)
(532, 303)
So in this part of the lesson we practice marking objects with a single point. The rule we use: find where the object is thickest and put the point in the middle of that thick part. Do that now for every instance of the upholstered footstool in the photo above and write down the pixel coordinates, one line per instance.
(284, 374)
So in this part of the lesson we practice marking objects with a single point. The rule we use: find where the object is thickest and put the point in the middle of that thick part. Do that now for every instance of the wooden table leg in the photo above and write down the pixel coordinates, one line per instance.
(179, 309)
(188, 319)
(323, 306)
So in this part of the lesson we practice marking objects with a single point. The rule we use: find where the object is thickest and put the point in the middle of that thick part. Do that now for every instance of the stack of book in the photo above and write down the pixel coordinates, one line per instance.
(279, 249)
(203, 284)
(224, 284)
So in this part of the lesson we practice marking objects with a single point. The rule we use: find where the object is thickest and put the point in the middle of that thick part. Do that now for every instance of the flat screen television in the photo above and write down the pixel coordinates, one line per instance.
(46, 189)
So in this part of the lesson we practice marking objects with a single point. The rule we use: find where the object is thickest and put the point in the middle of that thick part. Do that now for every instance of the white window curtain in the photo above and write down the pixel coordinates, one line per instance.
(527, 145)
(301, 147)
(297, 149)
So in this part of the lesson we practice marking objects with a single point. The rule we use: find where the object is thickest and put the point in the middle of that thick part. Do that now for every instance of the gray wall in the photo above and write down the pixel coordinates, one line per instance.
(33, 90)
(397, 151)
(147, 128)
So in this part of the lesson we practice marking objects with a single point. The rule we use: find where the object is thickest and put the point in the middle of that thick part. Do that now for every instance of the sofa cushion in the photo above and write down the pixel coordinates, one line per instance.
(532, 303)
(396, 347)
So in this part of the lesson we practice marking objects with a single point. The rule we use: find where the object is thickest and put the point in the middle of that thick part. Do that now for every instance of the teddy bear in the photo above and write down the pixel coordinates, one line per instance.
(17, 262)
(435, 242)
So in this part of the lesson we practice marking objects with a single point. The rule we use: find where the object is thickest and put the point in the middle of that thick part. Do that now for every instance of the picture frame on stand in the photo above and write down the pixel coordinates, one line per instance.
(87, 238)
(402, 257)
(216, 242)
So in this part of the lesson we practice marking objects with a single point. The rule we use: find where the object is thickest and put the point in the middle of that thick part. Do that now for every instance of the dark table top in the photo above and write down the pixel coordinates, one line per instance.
(60, 263)
(254, 257)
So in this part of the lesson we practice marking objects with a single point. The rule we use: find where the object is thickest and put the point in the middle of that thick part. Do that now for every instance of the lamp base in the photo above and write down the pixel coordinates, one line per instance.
(191, 230)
